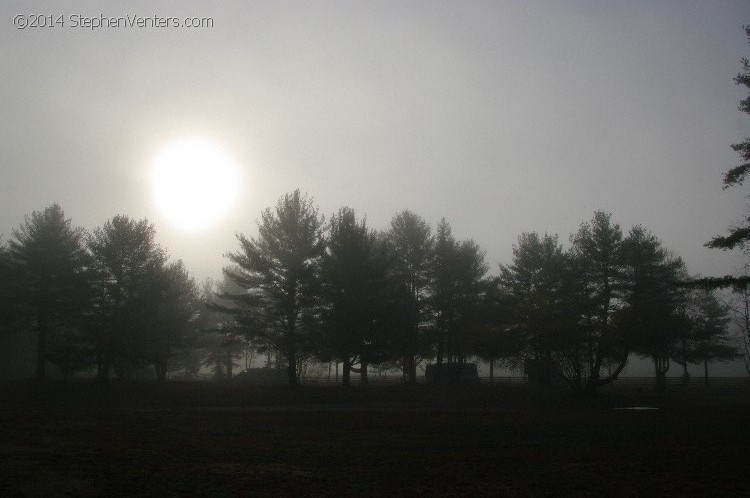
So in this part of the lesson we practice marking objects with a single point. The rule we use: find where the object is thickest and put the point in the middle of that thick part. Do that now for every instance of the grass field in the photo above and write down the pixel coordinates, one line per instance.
(210, 440)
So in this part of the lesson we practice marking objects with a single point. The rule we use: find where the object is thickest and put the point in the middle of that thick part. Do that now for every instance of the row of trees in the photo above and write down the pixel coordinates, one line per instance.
(345, 292)
(110, 298)
(339, 291)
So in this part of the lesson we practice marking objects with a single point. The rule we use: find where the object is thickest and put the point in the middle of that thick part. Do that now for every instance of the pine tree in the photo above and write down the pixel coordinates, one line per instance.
(279, 272)
(739, 235)
(49, 270)
(411, 241)
(129, 267)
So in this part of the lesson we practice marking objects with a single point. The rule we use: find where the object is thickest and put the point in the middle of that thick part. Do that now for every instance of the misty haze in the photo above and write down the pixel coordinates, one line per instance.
(379, 248)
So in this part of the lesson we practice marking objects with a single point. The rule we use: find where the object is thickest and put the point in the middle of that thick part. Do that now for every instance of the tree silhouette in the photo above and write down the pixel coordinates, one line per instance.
(8, 294)
(709, 339)
(225, 329)
(129, 266)
(653, 320)
(48, 266)
(443, 279)
(411, 242)
(738, 235)
(469, 290)
(597, 252)
(279, 271)
(354, 292)
(173, 323)
(533, 284)
(496, 337)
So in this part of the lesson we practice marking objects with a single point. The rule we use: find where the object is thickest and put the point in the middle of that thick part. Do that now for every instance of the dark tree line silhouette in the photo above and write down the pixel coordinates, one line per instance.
(306, 289)
(109, 299)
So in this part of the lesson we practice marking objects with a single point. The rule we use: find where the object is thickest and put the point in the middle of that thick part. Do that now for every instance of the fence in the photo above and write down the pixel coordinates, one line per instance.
(635, 382)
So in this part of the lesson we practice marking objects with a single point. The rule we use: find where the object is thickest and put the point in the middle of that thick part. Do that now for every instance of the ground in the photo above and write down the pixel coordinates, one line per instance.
(204, 439)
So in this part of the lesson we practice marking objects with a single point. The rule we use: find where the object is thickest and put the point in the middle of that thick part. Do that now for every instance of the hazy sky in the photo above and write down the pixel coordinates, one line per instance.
(503, 117)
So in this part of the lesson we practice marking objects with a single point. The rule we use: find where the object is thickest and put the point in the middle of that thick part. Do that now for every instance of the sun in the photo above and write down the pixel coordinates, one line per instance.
(194, 182)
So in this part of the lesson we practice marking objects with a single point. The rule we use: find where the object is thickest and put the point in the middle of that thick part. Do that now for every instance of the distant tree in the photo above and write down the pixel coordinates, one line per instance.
(354, 293)
(597, 252)
(653, 319)
(496, 337)
(7, 294)
(130, 273)
(227, 330)
(470, 288)
(739, 307)
(71, 351)
(709, 338)
(411, 242)
(442, 284)
(532, 285)
(48, 267)
(173, 324)
(280, 274)
(456, 290)
(571, 339)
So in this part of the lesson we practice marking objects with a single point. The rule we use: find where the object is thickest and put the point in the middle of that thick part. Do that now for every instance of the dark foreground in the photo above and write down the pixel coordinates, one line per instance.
(208, 440)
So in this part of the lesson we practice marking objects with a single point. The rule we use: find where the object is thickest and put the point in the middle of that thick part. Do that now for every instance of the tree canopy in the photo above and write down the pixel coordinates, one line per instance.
(279, 271)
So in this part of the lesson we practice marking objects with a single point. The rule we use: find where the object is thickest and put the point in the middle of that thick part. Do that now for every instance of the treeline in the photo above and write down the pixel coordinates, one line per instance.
(109, 299)
(306, 289)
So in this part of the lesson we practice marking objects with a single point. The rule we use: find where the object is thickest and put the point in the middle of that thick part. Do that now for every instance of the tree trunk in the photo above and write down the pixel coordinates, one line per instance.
(440, 348)
(346, 375)
(661, 366)
(41, 358)
(363, 373)
(594, 381)
(229, 363)
(705, 372)
(103, 370)
(161, 370)
(685, 374)
(412, 369)
(492, 370)
(291, 371)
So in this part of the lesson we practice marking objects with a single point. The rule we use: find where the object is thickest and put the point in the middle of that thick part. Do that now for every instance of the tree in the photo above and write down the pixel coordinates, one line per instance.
(443, 282)
(49, 269)
(279, 272)
(738, 235)
(354, 290)
(70, 350)
(8, 306)
(532, 286)
(709, 338)
(653, 319)
(496, 338)
(223, 333)
(456, 286)
(597, 252)
(129, 266)
(411, 242)
(173, 323)
(469, 290)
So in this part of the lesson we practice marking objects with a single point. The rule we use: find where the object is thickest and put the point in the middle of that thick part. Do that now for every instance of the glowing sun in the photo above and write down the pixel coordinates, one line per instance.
(194, 182)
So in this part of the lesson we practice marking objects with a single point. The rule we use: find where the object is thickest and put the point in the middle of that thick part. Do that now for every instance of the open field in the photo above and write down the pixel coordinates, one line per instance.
(210, 440)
